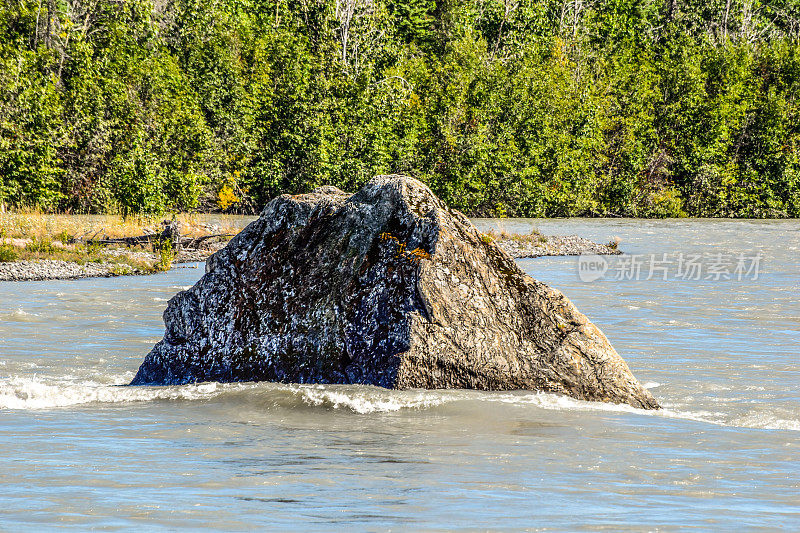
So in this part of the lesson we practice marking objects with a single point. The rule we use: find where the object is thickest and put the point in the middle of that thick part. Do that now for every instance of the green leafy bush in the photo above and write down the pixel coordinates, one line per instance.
(42, 246)
(166, 255)
(64, 237)
(7, 253)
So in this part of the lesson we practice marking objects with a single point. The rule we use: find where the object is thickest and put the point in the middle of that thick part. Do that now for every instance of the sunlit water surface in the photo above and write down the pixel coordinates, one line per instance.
(78, 450)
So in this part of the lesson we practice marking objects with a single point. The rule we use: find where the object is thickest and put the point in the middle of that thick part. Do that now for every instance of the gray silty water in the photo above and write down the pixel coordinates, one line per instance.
(721, 355)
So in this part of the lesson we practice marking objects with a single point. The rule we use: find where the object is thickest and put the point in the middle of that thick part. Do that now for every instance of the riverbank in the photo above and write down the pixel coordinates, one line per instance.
(535, 244)
(35, 246)
(125, 262)
(78, 261)
(79, 228)
(134, 264)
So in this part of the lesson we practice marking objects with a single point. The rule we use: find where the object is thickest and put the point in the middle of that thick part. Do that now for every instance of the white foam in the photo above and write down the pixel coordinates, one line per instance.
(370, 400)
(47, 393)
(19, 315)
(557, 402)
(564, 403)
(766, 421)
(40, 393)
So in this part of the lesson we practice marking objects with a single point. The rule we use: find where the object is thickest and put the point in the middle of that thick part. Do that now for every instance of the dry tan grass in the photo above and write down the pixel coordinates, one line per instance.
(43, 226)
(31, 235)
(502, 235)
(79, 254)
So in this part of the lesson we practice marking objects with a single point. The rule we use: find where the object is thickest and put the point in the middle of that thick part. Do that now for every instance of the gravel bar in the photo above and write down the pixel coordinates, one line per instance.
(49, 269)
(555, 245)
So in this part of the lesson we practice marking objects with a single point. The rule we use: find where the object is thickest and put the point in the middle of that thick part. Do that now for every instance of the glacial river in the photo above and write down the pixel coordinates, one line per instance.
(717, 342)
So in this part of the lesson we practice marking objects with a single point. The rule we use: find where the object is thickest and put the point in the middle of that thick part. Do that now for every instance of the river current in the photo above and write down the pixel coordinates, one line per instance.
(714, 333)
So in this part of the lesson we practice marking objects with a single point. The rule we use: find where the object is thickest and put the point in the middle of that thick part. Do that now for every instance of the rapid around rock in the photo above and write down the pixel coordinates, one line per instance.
(386, 287)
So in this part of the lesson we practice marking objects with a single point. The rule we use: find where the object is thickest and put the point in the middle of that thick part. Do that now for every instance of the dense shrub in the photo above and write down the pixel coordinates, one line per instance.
(7, 253)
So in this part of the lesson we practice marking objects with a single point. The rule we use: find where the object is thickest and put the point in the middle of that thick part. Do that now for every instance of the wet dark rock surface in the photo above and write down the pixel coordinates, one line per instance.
(385, 287)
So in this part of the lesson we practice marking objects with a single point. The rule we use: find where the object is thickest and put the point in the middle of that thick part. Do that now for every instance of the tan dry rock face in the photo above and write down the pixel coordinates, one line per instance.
(385, 287)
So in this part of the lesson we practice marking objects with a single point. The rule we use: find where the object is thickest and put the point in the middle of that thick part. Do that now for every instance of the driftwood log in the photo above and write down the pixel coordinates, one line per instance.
(170, 234)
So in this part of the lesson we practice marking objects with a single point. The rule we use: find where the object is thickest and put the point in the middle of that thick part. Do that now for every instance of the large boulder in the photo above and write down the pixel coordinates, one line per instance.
(386, 287)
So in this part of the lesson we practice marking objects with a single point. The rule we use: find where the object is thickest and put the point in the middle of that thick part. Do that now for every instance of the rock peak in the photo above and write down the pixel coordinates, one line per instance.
(388, 287)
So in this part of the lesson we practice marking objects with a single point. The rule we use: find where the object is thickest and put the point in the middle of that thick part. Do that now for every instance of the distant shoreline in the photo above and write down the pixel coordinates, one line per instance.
(117, 261)
(54, 269)
(36, 247)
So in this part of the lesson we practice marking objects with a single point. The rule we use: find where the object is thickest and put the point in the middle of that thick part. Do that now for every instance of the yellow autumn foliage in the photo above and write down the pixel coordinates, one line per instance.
(226, 197)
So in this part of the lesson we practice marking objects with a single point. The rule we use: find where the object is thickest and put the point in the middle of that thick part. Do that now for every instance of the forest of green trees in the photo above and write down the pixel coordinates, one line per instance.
(535, 108)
